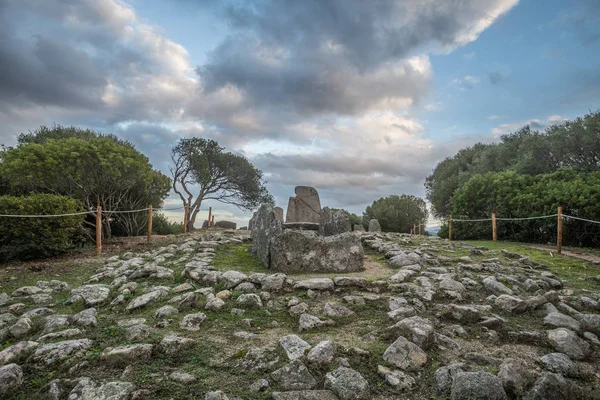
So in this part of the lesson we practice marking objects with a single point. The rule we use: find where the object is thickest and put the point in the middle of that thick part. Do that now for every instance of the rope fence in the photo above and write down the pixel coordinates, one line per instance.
(559, 215)
(98, 214)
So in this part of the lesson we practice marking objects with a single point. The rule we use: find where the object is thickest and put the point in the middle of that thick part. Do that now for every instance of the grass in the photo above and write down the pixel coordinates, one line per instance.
(237, 257)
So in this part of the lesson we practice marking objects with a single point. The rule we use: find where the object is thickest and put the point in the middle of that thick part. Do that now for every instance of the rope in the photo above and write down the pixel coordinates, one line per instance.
(45, 216)
(125, 212)
(522, 219)
(581, 219)
(471, 220)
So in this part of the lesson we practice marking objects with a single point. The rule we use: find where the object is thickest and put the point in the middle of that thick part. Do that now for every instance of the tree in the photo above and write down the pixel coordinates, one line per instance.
(397, 213)
(94, 169)
(201, 165)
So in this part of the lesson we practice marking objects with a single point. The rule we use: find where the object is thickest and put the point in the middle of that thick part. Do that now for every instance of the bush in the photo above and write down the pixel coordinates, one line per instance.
(29, 238)
(162, 226)
(396, 213)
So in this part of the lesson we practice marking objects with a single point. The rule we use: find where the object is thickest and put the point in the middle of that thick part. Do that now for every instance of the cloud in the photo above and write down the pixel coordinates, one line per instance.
(493, 117)
(535, 124)
(438, 105)
(469, 56)
(466, 83)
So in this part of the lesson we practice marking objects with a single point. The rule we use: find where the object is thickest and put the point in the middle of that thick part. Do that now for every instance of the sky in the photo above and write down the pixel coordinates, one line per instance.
(359, 99)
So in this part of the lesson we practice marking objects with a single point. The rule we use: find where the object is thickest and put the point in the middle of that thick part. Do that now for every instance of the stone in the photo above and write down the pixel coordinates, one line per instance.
(322, 354)
(334, 310)
(273, 282)
(559, 320)
(492, 286)
(347, 384)
(26, 291)
(217, 395)
(315, 284)
(213, 303)
(566, 341)
(551, 386)
(123, 355)
(11, 378)
(401, 313)
(182, 377)
(405, 355)
(265, 228)
(444, 377)
(293, 346)
(358, 228)
(346, 281)
(309, 322)
(334, 222)
(402, 276)
(398, 380)
(510, 303)
(41, 299)
(232, 278)
(184, 287)
(138, 332)
(223, 295)
(477, 386)
(54, 322)
(21, 328)
(451, 284)
(192, 322)
(400, 260)
(65, 334)
(52, 353)
(305, 207)
(560, 363)
(173, 344)
(92, 294)
(419, 330)
(245, 287)
(590, 322)
(294, 376)
(461, 313)
(37, 312)
(4, 299)
(303, 251)
(17, 352)
(165, 311)
(86, 389)
(279, 213)
(305, 395)
(145, 299)
(6, 318)
(225, 225)
(260, 385)
(374, 226)
(250, 300)
(356, 300)
(86, 317)
(514, 376)
(152, 271)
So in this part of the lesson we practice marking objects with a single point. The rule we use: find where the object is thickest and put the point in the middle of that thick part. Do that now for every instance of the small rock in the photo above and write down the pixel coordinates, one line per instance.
(566, 341)
(294, 376)
(405, 355)
(334, 310)
(192, 322)
(477, 386)
(182, 377)
(315, 284)
(11, 378)
(250, 300)
(165, 311)
(124, 355)
(86, 317)
(347, 384)
(259, 386)
(309, 322)
(213, 303)
(173, 344)
(16, 352)
(559, 320)
(560, 363)
(293, 346)
(322, 354)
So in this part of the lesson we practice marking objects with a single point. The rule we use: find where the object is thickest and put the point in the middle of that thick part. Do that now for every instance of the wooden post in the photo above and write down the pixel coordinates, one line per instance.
(450, 228)
(185, 218)
(414, 229)
(208, 224)
(494, 232)
(212, 223)
(99, 231)
(149, 223)
(560, 232)
(420, 228)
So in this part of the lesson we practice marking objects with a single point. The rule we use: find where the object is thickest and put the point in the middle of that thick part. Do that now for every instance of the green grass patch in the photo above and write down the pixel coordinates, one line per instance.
(237, 257)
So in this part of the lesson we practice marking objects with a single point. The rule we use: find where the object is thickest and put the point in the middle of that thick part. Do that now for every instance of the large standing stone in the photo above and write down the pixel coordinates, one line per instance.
(305, 207)
(279, 213)
(374, 226)
(265, 227)
(334, 222)
(303, 251)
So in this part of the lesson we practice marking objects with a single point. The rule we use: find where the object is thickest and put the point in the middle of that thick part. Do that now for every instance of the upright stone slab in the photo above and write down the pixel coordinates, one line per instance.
(279, 213)
(304, 251)
(305, 207)
(265, 228)
(252, 220)
(334, 222)
(374, 226)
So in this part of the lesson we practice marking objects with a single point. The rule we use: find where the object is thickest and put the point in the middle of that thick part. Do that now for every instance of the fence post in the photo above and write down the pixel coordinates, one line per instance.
(209, 215)
(420, 228)
(149, 223)
(414, 229)
(99, 231)
(450, 228)
(494, 231)
(185, 218)
(212, 223)
(560, 231)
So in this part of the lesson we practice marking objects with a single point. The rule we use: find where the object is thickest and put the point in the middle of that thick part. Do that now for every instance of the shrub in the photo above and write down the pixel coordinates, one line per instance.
(29, 238)
(162, 226)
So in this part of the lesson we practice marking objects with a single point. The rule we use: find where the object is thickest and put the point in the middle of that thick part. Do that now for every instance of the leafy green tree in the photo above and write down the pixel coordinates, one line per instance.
(201, 171)
(93, 169)
(355, 220)
(162, 226)
(397, 213)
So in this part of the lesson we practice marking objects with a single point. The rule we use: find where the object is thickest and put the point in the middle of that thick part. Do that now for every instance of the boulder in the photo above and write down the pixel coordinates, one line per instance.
(514, 376)
(294, 376)
(405, 355)
(334, 222)
(419, 330)
(308, 322)
(173, 344)
(226, 225)
(315, 284)
(358, 228)
(123, 355)
(566, 341)
(11, 378)
(86, 389)
(560, 363)
(334, 310)
(477, 386)
(52, 353)
(305, 207)
(322, 353)
(374, 226)
(305, 395)
(303, 251)
(192, 322)
(347, 384)
(16, 352)
(293, 346)
(92, 294)
(146, 299)
(85, 318)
